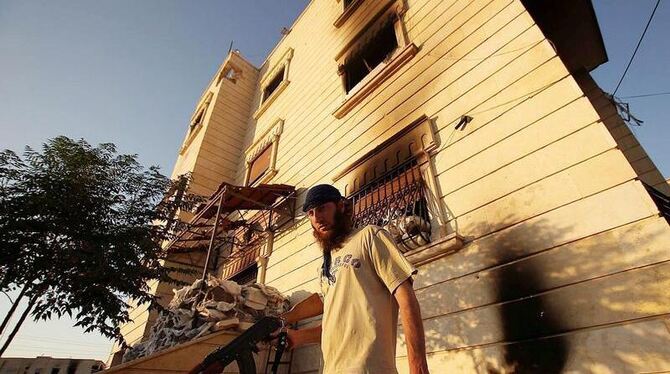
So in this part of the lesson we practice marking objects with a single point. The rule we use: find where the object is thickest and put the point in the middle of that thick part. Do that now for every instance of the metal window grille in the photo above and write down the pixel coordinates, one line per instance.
(397, 202)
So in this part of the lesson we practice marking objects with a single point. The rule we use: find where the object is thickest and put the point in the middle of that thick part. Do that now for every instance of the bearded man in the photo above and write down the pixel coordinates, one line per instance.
(365, 283)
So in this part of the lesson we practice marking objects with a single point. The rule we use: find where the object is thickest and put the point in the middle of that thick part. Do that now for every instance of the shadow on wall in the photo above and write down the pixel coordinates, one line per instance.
(531, 320)
(526, 299)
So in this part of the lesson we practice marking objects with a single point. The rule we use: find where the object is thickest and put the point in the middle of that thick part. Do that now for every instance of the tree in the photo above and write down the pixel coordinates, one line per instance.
(82, 230)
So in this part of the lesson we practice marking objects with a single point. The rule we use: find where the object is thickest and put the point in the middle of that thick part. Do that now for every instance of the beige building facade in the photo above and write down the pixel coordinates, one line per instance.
(49, 365)
(539, 227)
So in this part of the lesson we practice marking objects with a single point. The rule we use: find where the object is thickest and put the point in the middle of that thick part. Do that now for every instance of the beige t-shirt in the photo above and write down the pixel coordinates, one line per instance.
(360, 315)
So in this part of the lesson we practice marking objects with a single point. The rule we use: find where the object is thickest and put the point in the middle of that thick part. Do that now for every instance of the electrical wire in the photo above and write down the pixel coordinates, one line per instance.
(636, 48)
(645, 95)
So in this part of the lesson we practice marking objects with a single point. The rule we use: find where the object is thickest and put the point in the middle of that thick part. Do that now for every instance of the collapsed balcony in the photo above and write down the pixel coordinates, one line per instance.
(229, 230)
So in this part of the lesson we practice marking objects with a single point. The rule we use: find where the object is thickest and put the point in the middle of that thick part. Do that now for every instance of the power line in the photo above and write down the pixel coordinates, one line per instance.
(645, 95)
(636, 48)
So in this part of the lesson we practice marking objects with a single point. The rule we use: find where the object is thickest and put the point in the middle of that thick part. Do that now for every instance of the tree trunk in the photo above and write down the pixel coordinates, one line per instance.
(11, 311)
(11, 336)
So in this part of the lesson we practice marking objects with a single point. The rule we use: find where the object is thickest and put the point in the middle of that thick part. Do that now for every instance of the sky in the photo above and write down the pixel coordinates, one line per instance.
(131, 72)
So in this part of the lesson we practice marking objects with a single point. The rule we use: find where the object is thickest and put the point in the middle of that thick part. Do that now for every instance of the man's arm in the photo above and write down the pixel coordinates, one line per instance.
(307, 308)
(412, 323)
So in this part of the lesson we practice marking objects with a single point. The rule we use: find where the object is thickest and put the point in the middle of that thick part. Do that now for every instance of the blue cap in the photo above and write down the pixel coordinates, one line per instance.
(320, 194)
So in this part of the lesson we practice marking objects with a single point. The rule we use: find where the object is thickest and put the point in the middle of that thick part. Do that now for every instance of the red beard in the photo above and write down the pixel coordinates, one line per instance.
(334, 237)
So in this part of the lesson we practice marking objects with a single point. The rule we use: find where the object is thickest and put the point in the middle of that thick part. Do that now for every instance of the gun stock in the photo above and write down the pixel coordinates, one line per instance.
(241, 348)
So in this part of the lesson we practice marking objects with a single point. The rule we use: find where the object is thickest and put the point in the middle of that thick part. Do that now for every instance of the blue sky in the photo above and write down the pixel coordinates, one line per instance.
(130, 72)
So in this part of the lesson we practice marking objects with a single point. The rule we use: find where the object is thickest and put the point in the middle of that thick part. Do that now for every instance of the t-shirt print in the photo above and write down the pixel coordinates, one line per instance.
(359, 294)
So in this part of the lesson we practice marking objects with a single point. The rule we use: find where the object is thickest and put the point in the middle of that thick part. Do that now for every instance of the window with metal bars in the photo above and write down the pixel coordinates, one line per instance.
(397, 202)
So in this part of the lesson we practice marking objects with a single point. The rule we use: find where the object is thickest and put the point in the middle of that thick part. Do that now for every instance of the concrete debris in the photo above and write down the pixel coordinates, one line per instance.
(200, 309)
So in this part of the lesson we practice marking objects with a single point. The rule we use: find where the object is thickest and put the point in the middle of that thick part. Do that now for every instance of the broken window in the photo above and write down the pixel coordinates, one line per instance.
(230, 73)
(273, 84)
(370, 54)
(378, 51)
(260, 165)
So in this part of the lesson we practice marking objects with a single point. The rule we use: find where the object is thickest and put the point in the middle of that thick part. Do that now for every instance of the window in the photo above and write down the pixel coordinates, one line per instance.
(275, 81)
(375, 51)
(378, 51)
(199, 116)
(246, 276)
(72, 366)
(396, 201)
(348, 8)
(262, 156)
(260, 165)
(274, 84)
(394, 186)
(197, 121)
(229, 72)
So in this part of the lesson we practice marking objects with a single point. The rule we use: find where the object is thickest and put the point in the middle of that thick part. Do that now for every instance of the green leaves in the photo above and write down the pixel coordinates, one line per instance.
(83, 226)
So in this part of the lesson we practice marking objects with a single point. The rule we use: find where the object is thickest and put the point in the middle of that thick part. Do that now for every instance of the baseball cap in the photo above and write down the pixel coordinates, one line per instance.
(320, 194)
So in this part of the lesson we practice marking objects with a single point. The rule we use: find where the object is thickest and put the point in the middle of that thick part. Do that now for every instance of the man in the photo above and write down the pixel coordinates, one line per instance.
(365, 280)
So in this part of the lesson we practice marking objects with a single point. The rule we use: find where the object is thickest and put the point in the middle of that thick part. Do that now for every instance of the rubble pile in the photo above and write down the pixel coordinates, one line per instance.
(200, 309)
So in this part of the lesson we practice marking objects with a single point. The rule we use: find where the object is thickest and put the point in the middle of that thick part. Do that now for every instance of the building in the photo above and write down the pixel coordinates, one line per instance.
(49, 365)
(544, 239)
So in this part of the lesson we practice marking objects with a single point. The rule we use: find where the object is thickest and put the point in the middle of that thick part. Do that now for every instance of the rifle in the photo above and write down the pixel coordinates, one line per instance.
(241, 348)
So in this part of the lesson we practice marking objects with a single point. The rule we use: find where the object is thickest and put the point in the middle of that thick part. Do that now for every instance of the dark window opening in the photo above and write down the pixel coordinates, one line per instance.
(246, 276)
(72, 366)
(55, 370)
(370, 55)
(197, 120)
(274, 83)
(229, 73)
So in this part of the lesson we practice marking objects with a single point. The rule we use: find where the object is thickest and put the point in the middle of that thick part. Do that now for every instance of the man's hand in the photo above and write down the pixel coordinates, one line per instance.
(291, 341)
(412, 324)
(298, 338)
